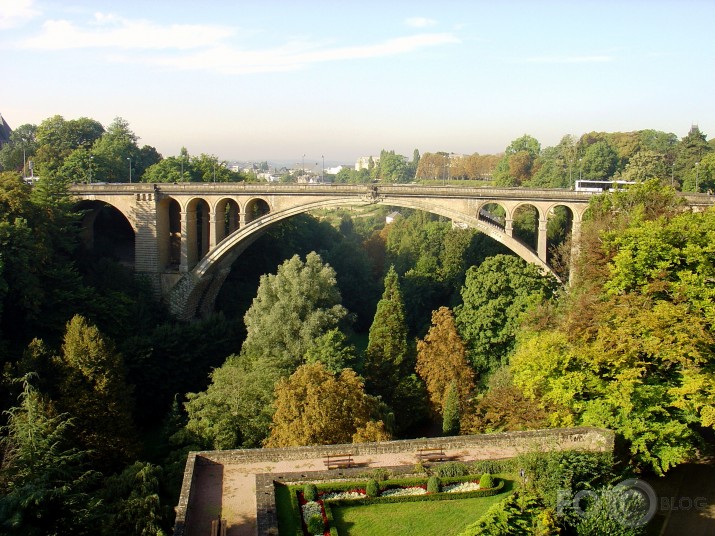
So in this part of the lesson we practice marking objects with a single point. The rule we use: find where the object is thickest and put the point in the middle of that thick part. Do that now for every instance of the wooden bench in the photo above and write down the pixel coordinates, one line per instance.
(431, 454)
(338, 461)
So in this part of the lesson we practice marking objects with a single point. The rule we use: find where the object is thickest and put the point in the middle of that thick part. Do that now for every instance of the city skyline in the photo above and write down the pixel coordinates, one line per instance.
(255, 81)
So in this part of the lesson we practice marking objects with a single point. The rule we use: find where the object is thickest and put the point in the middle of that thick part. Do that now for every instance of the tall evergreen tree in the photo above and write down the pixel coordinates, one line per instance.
(442, 361)
(93, 390)
(387, 350)
(43, 479)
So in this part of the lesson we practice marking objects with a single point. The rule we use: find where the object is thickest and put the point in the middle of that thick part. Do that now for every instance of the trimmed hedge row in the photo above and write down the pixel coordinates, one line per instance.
(387, 484)
(442, 496)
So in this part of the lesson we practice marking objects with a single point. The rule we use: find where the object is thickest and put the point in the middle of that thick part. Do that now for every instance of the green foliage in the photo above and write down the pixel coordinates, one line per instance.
(131, 502)
(387, 345)
(310, 492)
(451, 469)
(333, 351)
(433, 484)
(611, 511)
(520, 513)
(486, 481)
(495, 296)
(236, 409)
(450, 415)
(291, 310)
(315, 524)
(45, 487)
(93, 389)
(372, 488)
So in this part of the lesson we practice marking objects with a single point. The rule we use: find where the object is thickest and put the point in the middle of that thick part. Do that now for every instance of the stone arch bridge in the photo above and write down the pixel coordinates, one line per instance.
(186, 236)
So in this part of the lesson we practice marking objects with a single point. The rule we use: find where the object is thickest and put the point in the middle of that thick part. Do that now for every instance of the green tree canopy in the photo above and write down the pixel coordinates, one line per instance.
(386, 350)
(291, 310)
(495, 296)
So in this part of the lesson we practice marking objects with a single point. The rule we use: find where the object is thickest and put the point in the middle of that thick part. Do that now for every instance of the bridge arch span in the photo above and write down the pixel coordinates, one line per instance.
(197, 290)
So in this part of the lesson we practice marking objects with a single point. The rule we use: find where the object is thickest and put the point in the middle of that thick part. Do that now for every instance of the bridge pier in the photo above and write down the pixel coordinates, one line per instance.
(542, 238)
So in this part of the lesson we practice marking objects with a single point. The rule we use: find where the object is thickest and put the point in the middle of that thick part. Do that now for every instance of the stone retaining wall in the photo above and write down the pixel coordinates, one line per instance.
(581, 438)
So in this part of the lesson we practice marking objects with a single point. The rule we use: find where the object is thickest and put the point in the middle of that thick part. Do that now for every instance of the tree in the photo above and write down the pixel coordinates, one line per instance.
(235, 410)
(93, 389)
(333, 351)
(44, 483)
(599, 162)
(291, 310)
(442, 362)
(641, 361)
(450, 414)
(333, 408)
(387, 344)
(132, 505)
(495, 296)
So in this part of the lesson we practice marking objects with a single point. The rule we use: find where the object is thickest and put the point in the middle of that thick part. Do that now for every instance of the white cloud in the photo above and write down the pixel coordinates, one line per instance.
(16, 12)
(110, 31)
(420, 22)
(569, 59)
(293, 56)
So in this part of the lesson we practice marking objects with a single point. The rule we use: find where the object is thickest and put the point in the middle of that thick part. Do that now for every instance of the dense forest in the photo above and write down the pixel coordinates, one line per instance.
(425, 328)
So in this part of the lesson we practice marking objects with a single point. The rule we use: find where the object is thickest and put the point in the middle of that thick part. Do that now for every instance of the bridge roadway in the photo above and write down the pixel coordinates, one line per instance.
(187, 235)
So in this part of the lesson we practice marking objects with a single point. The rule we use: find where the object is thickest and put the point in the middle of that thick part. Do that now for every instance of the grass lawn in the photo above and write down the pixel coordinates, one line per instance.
(413, 518)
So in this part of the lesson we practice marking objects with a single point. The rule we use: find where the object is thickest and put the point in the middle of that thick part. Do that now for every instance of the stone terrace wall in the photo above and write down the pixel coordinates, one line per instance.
(581, 438)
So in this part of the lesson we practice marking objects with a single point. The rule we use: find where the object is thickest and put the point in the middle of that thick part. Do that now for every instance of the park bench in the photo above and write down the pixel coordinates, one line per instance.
(338, 461)
(430, 454)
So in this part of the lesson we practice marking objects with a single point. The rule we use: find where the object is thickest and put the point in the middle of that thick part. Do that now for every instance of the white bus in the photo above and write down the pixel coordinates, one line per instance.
(601, 186)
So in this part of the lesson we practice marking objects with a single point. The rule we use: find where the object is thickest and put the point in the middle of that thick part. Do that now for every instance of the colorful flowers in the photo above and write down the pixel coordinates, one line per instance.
(460, 488)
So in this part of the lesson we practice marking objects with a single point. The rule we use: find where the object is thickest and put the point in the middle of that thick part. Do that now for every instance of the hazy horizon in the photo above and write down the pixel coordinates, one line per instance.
(254, 81)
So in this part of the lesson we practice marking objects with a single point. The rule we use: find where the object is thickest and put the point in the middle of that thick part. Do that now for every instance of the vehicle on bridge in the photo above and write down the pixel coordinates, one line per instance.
(601, 186)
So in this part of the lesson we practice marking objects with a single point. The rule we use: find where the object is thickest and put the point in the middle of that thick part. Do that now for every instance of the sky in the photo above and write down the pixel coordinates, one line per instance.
(304, 80)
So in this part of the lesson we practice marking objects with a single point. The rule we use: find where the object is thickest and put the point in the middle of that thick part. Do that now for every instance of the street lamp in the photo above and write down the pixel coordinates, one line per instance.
(130, 169)
(302, 167)
(182, 168)
(322, 173)
(91, 159)
(580, 169)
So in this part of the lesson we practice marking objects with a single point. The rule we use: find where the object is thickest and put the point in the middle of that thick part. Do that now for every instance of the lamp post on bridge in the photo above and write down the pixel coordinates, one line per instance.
(322, 171)
(130, 169)
(91, 159)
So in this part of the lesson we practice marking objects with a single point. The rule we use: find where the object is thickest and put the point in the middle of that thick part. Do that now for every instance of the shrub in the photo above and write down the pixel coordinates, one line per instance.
(310, 492)
(486, 481)
(315, 525)
(380, 474)
(433, 484)
(452, 469)
(372, 489)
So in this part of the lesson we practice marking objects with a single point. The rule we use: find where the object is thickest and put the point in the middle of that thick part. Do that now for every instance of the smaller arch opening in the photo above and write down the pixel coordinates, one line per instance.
(526, 225)
(493, 214)
(256, 208)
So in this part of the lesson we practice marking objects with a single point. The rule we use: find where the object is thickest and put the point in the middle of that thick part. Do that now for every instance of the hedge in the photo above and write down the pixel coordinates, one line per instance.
(442, 496)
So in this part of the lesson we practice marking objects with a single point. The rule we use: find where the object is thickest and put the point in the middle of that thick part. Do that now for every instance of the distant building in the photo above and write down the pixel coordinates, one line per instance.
(392, 216)
(5, 131)
(364, 162)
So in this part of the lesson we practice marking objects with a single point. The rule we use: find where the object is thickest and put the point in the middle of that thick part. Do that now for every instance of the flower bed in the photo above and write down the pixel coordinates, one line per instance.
(461, 487)
(342, 495)
(401, 492)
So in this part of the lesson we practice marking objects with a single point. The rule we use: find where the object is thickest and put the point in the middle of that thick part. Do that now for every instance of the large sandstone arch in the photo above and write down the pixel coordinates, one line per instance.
(197, 289)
